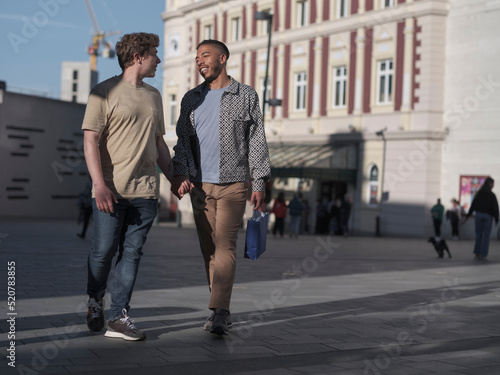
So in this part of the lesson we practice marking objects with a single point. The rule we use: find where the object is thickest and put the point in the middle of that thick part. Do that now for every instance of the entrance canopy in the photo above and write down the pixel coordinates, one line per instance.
(335, 162)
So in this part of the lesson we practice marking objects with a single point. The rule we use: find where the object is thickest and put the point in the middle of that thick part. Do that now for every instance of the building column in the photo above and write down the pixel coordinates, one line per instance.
(274, 78)
(310, 77)
(282, 15)
(248, 67)
(286, 79)
(361, 6)
(279, 80)
(318, 77)
(325, 52)
(358, 86)
(367, 77)
(275, 125)
(407, 75)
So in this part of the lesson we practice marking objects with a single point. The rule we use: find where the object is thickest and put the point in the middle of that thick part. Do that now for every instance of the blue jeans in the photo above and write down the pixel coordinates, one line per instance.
(124, 230)
(484, 222)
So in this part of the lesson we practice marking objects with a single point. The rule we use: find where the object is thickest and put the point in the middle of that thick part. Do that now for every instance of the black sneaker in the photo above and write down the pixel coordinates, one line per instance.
(208, 323)
(95, 315)
(124, 328)
(220, 322)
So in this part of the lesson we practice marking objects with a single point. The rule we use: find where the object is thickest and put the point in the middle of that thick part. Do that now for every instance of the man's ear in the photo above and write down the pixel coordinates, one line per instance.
(222, 58)
(137, 58)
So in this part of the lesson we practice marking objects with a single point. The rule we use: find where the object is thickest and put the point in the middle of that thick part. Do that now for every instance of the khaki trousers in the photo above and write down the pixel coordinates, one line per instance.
(218, 212)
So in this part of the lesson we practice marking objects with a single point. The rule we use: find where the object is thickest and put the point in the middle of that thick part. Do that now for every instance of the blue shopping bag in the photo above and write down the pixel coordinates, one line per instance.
(256, 235)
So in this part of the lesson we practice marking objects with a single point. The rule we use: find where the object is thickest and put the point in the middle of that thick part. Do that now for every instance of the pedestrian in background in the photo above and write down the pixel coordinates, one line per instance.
(456, 213)
(123, 144)
(296, 207)
(334, 214)
(322, 216)
(221, 142)
(437, 212)
(279, 211)
(485, 207)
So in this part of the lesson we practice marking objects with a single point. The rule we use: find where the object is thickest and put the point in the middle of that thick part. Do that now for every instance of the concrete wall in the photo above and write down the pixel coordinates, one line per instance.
(43, 168)
(472, 94)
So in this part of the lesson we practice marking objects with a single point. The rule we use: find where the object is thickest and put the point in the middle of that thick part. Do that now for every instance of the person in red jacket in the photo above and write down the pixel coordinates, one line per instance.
(279, 211)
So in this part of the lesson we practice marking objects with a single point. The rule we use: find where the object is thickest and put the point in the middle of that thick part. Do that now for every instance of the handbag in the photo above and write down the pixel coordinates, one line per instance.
(256, 235)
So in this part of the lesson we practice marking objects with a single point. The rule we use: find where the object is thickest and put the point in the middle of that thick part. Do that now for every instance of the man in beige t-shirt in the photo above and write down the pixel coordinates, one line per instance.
(123, 143)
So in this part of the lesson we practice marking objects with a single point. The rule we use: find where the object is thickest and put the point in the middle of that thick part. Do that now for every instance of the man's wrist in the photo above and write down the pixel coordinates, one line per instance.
(258, 186)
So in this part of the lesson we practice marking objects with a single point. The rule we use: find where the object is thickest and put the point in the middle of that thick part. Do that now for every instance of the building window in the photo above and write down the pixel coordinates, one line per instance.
(235, 27)
(172, 105)
(75, 87)
(208, 32)
(300, 91)
(373, 185)
(268, 93)
(73, 98)
(343, 8)
(75, 74)
(302, 13)
(384, 74)
(387, 3)
(339, 86)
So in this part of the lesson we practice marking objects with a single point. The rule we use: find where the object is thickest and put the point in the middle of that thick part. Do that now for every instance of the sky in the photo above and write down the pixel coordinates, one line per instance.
(36, 36)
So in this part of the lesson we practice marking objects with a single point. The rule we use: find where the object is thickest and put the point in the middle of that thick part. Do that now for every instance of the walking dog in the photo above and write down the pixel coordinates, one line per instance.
(441, 246)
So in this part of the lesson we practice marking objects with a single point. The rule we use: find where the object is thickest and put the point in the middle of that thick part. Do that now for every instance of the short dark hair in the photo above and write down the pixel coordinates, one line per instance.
(132, 43)
(221, 46)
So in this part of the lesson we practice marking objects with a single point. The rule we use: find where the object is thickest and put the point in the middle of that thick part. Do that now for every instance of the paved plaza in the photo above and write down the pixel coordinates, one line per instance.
(312, 305)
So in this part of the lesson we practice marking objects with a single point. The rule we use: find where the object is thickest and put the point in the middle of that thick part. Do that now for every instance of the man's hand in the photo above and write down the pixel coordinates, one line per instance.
(257, 199)
(181, 186)
(104, 199)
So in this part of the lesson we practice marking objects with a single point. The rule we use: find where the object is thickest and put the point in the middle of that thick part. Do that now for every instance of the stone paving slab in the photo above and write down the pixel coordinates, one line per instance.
(315, 305)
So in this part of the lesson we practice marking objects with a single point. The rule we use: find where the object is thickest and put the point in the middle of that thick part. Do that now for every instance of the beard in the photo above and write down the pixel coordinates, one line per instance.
(216, 70)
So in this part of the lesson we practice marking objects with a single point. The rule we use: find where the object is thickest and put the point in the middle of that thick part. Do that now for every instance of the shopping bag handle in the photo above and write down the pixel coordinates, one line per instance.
(258, 215)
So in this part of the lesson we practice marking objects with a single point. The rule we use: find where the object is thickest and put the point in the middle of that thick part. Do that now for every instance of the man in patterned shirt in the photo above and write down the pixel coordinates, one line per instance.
(221, 146)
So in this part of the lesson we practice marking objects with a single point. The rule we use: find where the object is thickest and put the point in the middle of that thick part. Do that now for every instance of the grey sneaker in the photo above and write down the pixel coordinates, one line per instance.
(208, 323)
(95, 315)
(220, 322)
(124, 328)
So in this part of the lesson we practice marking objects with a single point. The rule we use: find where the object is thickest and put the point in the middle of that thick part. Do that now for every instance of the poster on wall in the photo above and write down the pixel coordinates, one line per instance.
(469, 185)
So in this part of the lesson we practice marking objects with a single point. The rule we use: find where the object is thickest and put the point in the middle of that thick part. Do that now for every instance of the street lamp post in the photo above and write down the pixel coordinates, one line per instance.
(269, 18)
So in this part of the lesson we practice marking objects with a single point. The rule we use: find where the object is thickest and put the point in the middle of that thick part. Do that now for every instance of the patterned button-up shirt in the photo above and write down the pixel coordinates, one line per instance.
(244, 154)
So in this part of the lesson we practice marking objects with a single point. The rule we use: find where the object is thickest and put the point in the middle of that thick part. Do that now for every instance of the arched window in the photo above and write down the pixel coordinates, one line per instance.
(372, 189)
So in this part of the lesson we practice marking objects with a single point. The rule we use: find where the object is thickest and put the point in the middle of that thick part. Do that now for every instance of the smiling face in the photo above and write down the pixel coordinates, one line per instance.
(210, 62)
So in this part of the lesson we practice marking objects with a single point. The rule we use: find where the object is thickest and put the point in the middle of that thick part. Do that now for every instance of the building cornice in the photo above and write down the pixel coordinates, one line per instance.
(327, 28)
(315, 139)
(359, 21)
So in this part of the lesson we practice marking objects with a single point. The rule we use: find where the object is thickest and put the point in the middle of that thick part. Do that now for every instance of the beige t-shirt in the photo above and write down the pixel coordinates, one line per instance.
(130, 119)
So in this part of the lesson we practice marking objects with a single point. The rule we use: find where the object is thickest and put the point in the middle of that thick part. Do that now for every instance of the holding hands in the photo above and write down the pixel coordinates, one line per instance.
(181, 186)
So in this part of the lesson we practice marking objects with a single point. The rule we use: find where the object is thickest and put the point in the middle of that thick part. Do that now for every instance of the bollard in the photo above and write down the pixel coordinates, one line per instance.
(377, 226)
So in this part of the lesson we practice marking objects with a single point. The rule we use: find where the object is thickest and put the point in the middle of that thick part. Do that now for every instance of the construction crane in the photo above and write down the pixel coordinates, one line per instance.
(98, 39)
